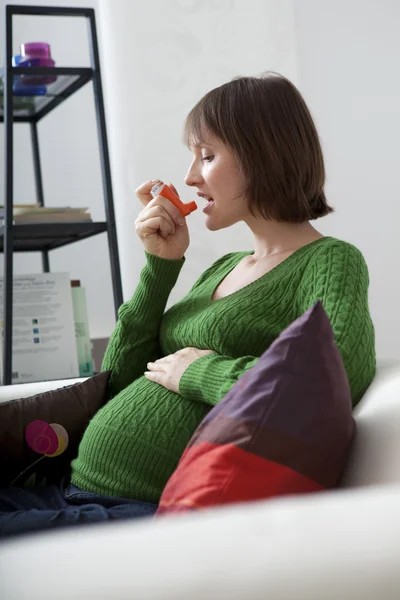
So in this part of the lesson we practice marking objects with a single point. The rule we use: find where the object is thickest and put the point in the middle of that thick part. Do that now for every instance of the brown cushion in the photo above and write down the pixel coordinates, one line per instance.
(72, 407)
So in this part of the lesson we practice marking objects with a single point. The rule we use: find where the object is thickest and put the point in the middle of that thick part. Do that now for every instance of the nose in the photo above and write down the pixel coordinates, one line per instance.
(193, 176)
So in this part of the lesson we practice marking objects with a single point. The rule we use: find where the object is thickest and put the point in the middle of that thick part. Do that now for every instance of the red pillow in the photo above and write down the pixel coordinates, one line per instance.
(284, 428)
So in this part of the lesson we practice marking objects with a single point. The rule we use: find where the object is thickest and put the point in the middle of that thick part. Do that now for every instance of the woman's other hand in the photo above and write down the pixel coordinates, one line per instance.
(168, 371)
(160, 226)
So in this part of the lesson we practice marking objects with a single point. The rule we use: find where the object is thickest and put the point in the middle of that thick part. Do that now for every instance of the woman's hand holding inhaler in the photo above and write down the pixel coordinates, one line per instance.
(161, 225)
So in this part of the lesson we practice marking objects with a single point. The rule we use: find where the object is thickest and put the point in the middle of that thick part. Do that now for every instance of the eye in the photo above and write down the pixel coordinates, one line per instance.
(208, 158)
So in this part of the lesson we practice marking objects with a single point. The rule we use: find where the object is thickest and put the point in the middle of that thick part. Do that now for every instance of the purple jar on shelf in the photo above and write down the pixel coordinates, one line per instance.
(36, 54)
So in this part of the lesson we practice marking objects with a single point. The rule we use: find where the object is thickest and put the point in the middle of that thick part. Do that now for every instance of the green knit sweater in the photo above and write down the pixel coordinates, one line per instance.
(133, 444)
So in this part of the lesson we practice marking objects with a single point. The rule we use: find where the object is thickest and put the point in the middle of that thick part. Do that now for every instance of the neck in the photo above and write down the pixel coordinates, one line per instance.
(271, 237)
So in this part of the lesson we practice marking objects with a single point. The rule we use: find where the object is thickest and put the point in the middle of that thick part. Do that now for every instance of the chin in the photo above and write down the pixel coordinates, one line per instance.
(217, 225)
(212, 226)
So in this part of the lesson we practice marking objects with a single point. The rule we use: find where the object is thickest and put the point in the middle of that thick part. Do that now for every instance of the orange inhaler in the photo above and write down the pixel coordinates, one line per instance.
(161, 189)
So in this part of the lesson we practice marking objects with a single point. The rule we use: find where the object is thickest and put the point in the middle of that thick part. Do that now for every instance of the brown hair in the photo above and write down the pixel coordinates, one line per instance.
(266, 123)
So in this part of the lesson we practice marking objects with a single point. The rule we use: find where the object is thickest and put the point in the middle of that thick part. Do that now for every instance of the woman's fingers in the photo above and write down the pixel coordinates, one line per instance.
(145, 197)
(154, 225)
(156, 366)
(143, 191)
(160, 226)
(154, 212)
(172, 211)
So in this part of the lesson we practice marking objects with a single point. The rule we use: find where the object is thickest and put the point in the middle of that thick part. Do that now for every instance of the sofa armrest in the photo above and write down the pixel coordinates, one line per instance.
(327, 545)
(373, 457)
(24, 390)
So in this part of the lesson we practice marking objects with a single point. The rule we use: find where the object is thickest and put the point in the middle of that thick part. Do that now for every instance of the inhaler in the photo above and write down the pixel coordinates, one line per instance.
(161, 189)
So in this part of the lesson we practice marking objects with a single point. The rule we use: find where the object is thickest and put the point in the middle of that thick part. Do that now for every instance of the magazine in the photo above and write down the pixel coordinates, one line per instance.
(44, 342)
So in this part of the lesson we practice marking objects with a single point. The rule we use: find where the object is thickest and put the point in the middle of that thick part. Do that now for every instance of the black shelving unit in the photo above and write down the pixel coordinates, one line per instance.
(45, 237)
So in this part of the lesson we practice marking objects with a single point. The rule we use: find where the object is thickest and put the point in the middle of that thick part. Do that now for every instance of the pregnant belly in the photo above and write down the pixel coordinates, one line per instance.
(133, 444)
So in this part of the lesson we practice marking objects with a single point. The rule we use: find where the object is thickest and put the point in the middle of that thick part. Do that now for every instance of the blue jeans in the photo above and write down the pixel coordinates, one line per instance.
(24, 510)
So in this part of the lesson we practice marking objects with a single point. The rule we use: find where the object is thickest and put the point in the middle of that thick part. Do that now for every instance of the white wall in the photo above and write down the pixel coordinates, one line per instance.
(159, 58)
(70, 160)
(344, 56)
(348, 57)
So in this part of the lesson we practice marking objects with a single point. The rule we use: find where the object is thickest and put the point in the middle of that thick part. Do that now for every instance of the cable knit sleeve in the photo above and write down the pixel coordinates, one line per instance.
(134, 341)
(210, 377)
(338, 277)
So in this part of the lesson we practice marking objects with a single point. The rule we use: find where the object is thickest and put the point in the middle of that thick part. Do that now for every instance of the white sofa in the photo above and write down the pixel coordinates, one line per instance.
(338, 545)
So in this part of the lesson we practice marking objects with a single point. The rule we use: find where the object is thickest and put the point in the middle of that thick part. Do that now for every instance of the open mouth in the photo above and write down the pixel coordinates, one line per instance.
(210, 202)
(208, 199)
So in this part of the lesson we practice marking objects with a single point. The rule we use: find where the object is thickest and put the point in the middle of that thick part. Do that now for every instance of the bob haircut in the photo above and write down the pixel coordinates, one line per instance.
(266, 123)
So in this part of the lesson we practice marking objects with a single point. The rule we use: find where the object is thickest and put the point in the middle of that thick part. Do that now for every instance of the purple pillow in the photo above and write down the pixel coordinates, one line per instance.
(284, 428)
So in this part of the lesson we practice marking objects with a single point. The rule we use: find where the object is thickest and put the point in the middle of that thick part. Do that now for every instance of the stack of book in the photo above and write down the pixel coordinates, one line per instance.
(34, 213)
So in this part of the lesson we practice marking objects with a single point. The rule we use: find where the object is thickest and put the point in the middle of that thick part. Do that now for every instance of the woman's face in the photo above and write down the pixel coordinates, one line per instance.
(215, 173)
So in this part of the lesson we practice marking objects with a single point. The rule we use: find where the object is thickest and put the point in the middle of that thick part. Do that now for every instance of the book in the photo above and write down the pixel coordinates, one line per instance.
(44, 341)
(83, 341)
(51, 218)
(24, 214)
(19, 209)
